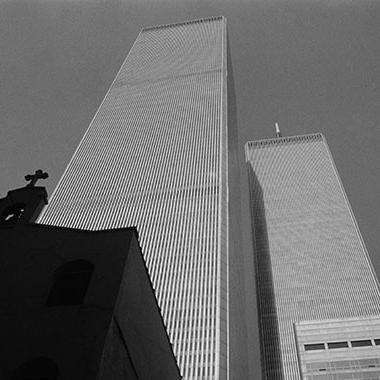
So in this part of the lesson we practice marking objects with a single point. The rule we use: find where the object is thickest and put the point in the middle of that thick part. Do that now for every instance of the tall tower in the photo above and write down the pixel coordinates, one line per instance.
(155, 157)
(318, 296)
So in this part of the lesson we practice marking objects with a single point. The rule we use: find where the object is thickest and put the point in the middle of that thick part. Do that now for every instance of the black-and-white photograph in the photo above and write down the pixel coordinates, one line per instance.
(189, 189)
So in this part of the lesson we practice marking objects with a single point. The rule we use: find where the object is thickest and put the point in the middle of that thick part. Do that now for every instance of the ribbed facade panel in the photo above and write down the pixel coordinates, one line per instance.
(346, 348)
(155, 157)
(311, 262)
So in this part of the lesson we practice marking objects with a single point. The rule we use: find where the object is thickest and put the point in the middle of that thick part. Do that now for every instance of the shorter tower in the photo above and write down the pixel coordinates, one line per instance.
(318, 296)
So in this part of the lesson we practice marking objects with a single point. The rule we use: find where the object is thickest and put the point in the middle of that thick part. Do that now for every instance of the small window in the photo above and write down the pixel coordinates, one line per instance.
(361, 343)
(337, 344)
(314, 346)
(12, 213)
(71, 281)
(36, 369)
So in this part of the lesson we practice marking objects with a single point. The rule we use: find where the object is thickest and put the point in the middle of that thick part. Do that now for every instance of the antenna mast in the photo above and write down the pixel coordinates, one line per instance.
(278, 132)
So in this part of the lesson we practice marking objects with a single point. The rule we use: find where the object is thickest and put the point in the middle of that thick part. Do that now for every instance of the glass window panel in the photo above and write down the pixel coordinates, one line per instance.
(314, 346)
(361, 343)
(337, 344)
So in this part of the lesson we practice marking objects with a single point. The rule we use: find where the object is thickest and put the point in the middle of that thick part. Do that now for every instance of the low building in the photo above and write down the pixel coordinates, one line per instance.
(75, 304)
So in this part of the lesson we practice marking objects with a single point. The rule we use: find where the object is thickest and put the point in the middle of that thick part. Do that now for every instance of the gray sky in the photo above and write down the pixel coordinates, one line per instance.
(313, 66)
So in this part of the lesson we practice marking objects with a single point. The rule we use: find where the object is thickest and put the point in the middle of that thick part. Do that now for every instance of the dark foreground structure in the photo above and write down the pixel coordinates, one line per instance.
(75, 304)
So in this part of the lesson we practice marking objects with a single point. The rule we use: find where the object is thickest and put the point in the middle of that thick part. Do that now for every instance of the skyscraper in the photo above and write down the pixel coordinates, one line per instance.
(318, 296)
(155, 156)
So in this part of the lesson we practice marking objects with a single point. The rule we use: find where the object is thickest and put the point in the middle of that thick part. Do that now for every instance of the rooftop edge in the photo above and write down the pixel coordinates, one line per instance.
(205, 19)
(285, 139)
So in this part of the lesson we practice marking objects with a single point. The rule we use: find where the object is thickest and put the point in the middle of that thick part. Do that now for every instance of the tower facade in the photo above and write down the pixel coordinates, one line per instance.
(155, 157)
(318, 296)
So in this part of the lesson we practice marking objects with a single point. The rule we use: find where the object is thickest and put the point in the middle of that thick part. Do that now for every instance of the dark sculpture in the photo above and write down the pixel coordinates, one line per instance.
(33, 178)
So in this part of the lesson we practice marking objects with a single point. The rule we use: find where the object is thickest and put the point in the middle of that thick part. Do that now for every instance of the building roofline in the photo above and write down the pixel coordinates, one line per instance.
(272, 140)
(283, 140)
(205, 19)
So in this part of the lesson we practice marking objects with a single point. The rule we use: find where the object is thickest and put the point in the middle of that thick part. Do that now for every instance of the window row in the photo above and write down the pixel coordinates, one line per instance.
(342, 344)
(346, 376)
(338, 365)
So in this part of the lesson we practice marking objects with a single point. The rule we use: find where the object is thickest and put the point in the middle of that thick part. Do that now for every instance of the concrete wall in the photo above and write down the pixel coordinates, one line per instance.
(116, 361)
(117, 333)
(73, 336)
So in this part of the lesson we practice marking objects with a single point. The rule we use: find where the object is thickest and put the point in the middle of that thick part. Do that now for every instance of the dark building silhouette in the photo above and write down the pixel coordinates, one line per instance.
(75, 304)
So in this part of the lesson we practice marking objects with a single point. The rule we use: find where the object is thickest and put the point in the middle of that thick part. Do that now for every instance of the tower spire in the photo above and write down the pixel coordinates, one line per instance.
(278, 132)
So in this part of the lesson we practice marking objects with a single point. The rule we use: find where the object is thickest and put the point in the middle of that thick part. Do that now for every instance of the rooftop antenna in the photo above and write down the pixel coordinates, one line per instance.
(278, 132)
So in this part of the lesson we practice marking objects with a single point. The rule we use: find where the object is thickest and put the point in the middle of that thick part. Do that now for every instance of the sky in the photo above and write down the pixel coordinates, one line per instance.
(312, 66)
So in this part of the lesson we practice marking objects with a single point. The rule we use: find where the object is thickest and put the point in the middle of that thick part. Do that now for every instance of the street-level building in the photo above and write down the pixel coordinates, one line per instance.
(75, 304)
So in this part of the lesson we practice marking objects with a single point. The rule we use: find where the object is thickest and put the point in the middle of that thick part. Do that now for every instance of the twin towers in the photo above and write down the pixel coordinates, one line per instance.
(160, 154)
